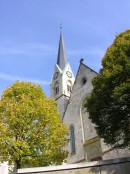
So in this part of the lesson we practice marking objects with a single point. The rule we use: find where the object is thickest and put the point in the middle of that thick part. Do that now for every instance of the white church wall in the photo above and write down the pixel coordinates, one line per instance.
(4, 168)
(117, 166)
(66, 78)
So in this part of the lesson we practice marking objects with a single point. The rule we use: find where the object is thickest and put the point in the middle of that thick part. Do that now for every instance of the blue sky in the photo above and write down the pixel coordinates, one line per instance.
(29, 35)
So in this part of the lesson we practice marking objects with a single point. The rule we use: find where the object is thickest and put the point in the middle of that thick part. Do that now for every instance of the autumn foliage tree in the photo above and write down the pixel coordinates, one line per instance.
(31, 131)
(109, 103)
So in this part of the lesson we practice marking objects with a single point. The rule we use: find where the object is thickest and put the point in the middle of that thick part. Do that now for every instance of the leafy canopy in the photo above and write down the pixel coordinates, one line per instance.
(109, 103)
(31, 131)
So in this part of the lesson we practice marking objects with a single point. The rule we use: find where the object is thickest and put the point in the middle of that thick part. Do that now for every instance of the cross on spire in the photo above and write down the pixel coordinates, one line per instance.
(60, 26)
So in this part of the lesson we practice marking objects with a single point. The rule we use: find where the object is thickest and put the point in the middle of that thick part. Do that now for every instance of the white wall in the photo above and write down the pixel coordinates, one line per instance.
(116, 166)
(4, 168)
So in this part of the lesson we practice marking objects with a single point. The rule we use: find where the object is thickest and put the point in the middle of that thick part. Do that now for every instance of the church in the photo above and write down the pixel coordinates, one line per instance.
(70, 92)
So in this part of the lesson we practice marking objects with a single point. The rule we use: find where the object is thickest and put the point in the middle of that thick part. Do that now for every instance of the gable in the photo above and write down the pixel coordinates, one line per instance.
(74, 116)
(83, 81)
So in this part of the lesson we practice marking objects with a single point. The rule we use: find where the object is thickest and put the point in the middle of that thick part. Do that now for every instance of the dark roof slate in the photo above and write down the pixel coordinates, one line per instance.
(62, 58)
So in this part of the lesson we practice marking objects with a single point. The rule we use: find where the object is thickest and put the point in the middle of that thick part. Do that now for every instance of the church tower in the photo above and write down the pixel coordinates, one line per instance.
(62, 79)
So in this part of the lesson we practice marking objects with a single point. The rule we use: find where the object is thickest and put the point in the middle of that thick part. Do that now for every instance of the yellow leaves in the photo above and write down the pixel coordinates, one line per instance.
(119, 52)
(30, 125)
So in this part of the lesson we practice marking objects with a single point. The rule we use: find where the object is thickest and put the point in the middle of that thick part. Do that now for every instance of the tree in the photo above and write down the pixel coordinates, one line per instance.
(31, 131)
(109, 103)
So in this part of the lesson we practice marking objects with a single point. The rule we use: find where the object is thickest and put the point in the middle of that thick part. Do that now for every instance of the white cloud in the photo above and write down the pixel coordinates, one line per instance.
(27, 49)
(41, 46)
(10, 51)
(9, 77)
(87, 51)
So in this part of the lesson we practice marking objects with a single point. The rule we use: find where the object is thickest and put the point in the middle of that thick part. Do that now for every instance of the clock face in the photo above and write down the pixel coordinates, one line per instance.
(56, 75)
(68, 74)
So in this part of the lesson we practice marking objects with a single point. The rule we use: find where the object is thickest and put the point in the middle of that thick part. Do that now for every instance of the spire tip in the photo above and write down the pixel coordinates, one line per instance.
(60, 26)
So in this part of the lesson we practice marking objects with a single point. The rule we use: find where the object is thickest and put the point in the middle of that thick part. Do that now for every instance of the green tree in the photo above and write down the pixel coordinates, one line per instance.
(109, 103)
(31, 131)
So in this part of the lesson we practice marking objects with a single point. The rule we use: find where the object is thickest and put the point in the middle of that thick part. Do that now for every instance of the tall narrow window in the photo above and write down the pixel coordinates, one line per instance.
(72, 140)
(69, 86)
(56, 88)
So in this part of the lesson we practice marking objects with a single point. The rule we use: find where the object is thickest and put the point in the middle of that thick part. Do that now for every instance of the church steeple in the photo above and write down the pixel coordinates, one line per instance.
(62, 79)
(62, 58)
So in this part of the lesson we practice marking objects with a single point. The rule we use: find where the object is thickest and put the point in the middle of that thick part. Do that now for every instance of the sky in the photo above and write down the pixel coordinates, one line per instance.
(30, 31)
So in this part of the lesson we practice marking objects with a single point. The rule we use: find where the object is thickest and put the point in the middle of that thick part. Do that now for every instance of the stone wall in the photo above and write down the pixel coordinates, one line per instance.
(116, 166)
(73, 115)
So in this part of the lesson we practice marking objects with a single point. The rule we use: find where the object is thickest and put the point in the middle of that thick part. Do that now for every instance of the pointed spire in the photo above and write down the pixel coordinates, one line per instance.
(61, 59)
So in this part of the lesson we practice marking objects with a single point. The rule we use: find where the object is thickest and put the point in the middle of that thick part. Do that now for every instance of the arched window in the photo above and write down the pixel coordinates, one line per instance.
(72, 139)
(69, 86)
(83, 81)
(56, 88)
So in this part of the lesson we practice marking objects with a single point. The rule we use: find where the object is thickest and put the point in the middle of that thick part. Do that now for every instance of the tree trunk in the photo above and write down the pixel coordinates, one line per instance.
(18, 165)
